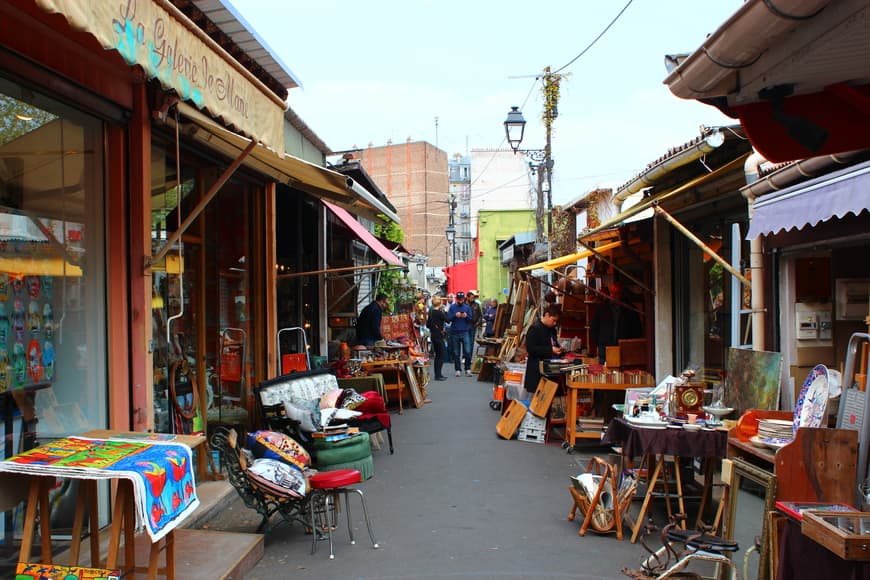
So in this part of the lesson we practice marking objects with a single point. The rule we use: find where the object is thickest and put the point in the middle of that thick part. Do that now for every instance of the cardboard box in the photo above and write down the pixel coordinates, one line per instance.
(510, 421)
(633, 352)
(543, 397)
(810, 356)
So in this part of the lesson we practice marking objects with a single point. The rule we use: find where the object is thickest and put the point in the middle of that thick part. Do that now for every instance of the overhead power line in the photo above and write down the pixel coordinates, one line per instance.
(597, 38)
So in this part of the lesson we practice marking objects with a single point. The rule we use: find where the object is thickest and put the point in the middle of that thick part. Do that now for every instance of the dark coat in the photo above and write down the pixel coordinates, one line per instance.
(540, 340)
(611, 323)
(368, 324)
(435, 323)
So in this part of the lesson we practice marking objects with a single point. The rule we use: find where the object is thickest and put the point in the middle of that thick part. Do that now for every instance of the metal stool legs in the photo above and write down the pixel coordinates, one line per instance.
(323, 510)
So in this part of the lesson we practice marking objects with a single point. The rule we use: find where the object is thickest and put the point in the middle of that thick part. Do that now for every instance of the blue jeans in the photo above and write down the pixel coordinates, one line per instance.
(459, 342)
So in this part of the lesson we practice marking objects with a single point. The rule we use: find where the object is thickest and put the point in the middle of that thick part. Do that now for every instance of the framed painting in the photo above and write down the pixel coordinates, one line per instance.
(753, 379)
(414, 386)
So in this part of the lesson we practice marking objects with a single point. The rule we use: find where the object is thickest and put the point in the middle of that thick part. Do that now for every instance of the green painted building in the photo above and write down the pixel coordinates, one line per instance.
(494, 227)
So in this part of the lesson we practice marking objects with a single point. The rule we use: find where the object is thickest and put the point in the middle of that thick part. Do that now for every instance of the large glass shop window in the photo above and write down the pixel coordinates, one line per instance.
(201, 303)
(52, 273)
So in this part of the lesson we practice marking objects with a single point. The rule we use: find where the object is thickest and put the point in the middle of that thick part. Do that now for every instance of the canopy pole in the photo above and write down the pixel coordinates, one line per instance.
(203, 203)
(707, 249)
(601, 256)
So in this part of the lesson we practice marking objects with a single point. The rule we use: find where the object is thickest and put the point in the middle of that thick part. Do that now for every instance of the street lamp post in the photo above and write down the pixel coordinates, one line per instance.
(450, 232)
(541, 163)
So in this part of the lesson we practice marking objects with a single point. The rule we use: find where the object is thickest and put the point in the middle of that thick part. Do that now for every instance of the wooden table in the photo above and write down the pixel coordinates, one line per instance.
(655, 445)
(571, 433)
(395, 376)
(123, 512)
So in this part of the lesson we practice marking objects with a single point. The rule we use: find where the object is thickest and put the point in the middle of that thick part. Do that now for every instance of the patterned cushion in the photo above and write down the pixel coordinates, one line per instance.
(279, 447)
(277, 478)
(352, 399)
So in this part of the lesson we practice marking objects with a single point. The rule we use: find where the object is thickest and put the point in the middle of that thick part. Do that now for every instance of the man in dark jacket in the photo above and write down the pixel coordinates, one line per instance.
(368, 324)
(476, 312)
(541, 343)
(461, 333)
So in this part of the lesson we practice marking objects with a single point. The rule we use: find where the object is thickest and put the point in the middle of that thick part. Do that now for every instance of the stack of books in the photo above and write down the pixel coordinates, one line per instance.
(336, 432)
(590, 423)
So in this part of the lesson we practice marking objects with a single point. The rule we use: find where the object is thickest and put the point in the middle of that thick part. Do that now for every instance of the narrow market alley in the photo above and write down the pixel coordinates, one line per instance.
(454, 501)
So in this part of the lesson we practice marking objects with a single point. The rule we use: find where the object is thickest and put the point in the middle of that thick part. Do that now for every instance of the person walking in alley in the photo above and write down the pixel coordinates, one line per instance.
(461, 334)
(613, 321)
(489, 312)
(435, 323)
(445, 306)
(541, 343)
(476, 313)
(368, 324)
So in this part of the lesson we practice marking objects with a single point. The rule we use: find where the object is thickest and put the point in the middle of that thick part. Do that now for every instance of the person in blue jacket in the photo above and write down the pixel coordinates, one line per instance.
(461, 333)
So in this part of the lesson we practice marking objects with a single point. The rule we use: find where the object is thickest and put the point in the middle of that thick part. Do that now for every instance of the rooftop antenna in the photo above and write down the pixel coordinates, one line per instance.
(436, 131)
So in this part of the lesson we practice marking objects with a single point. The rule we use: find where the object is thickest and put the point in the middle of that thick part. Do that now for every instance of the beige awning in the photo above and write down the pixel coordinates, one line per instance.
(157, 36)
(570, 258)
(297, 173)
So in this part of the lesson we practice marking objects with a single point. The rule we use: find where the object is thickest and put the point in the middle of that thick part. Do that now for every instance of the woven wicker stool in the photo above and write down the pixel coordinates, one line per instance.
(323, 506)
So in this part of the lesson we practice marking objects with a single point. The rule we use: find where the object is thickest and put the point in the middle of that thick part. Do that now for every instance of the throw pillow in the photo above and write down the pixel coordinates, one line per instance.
(351, 399)
(279, 446)
(330, 400)
(307, 413)
(277, 478)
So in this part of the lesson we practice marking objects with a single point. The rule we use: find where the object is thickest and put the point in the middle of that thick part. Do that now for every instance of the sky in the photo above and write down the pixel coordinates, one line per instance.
(447, 72)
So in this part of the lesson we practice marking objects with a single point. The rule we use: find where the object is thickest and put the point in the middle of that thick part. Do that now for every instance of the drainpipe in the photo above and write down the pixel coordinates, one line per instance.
(751, 171)
(692, 153)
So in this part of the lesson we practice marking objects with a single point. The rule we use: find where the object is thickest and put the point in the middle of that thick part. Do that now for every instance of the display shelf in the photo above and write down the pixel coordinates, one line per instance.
(571, 432)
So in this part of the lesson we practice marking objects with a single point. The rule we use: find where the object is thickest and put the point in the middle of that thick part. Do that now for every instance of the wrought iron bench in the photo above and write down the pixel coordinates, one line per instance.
(290, 509)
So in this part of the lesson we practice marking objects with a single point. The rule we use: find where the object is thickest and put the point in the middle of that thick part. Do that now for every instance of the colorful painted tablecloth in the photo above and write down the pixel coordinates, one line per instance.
(161, 473)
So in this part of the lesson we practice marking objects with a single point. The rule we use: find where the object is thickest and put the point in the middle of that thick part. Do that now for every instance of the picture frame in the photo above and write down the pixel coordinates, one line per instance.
(414, 386)
(852, 298)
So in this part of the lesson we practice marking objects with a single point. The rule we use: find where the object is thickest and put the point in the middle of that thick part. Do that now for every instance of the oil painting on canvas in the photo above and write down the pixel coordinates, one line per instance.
(752, 380)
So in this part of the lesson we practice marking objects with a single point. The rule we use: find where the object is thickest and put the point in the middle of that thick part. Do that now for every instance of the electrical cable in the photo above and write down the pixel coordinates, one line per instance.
(597, 38)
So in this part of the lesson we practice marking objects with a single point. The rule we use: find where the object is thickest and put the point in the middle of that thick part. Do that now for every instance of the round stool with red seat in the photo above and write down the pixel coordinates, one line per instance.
(323, 507)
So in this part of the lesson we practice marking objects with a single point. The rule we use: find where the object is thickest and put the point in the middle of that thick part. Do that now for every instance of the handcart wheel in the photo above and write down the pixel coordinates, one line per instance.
(565, 445)
(494, 405)
(570, 450)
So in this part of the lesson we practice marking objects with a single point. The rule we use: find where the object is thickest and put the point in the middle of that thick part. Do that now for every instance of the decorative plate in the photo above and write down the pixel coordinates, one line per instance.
(757, 442)
(813, 399)
(776, 442)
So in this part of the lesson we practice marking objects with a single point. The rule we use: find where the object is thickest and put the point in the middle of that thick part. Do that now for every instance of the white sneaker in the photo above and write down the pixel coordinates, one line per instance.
(467, 373)
(458, 373)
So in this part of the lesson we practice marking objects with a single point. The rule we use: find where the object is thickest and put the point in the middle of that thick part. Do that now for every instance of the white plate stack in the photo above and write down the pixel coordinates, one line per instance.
(774, 429)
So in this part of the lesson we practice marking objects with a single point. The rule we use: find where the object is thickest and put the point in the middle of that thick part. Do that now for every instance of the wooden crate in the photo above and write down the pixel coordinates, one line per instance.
(510, 421)
(543, 397)
(840, 532)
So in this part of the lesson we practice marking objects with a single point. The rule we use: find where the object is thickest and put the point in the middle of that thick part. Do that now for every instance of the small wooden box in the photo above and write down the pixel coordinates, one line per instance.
(543, 397)
(510, 421)
(846, 534)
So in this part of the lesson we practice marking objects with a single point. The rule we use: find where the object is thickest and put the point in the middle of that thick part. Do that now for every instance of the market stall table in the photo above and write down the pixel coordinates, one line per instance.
(575, 385)
(155, 489)
(394, 372)
(660, 442)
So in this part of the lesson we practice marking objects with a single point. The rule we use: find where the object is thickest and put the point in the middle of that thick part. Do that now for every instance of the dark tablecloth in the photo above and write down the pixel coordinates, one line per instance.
(637, 441)
(802, 558)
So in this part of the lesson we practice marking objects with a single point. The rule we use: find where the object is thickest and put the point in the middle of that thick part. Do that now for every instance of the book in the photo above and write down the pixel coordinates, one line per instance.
(795, 509)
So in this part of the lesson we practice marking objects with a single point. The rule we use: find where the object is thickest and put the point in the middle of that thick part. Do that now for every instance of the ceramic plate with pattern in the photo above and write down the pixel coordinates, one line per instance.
(813, 399)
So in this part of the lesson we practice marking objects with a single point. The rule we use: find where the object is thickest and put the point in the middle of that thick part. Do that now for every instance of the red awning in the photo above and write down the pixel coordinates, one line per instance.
(364, 235)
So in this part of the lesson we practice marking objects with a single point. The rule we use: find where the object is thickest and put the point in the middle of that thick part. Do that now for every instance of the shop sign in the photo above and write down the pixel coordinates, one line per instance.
(146, 34)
